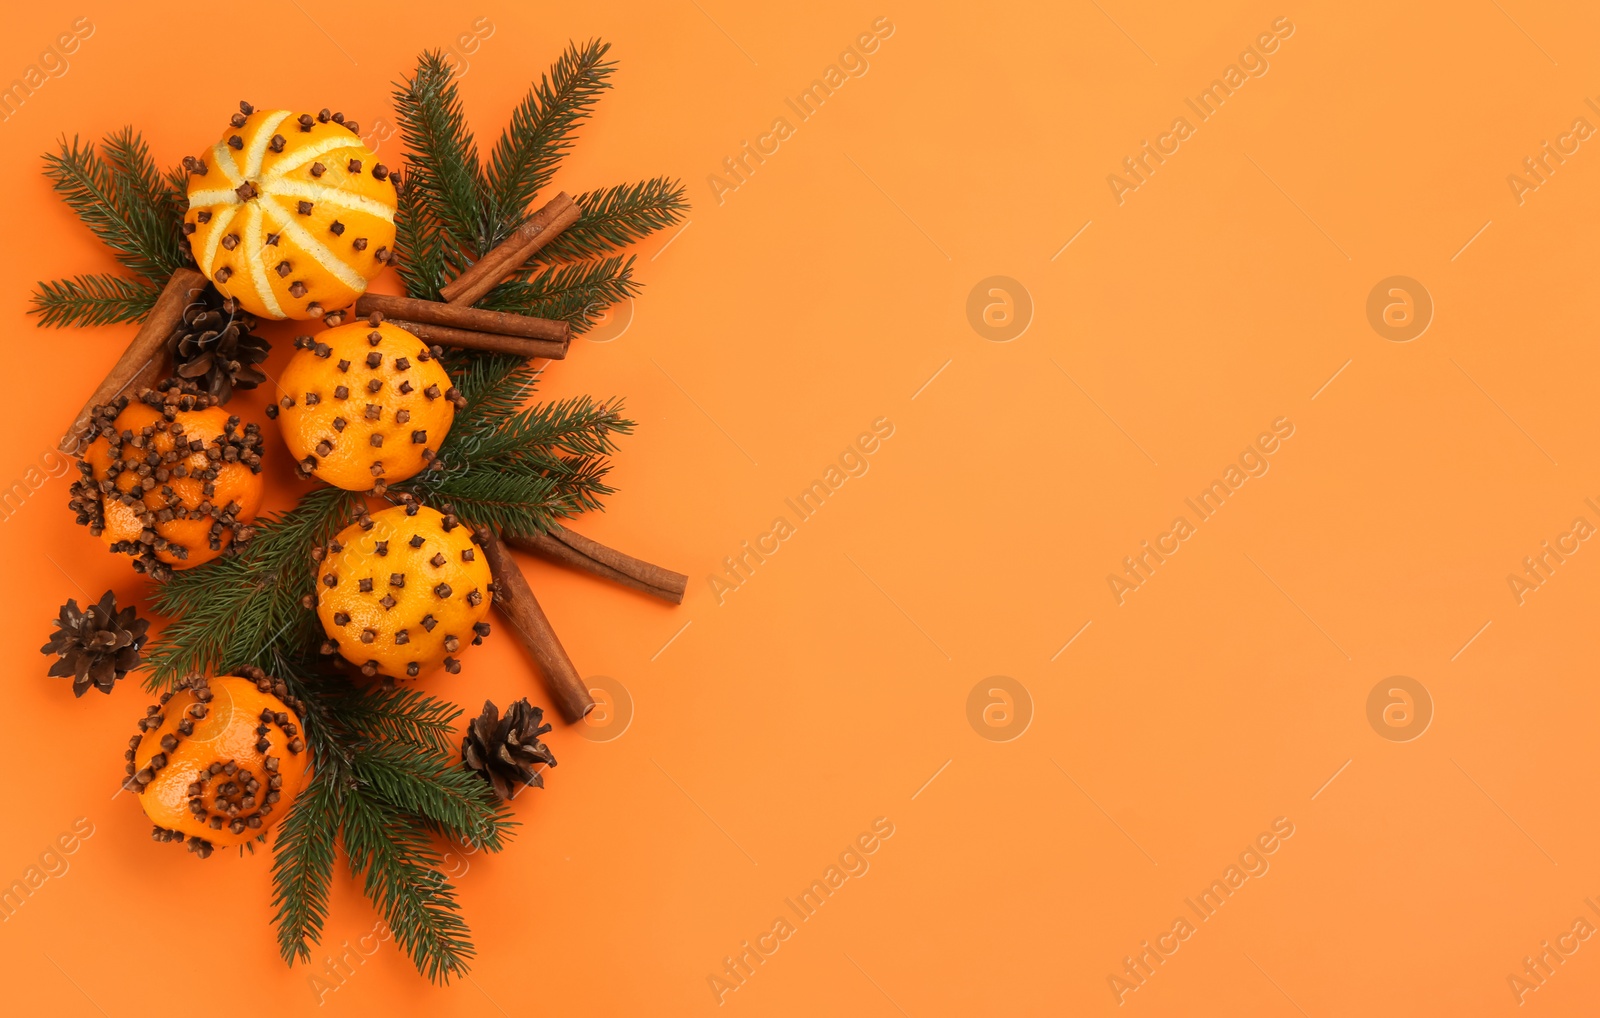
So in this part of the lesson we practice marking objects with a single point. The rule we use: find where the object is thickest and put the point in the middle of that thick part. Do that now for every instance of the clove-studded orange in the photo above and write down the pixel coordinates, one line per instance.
(401, 591)
(169, 477)
(290, 214)
(219, 761)
(367, 404)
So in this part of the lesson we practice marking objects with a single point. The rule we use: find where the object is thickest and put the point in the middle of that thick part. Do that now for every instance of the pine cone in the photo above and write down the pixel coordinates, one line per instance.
(214, 348)
(97, 647)
(505, 750)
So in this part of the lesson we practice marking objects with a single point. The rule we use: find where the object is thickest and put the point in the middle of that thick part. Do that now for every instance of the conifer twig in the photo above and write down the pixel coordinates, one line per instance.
(119, 195)
(420, 243)
(541, 131)
(615, 217)
(93, 300)
(401, 871)
(576, 292)
(383, 757)
(453, 211)
(135, 210)
(302, 866)
(444, 174)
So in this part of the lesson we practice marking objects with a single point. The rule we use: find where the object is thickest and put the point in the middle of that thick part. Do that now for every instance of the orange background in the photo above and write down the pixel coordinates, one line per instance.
(829, 689)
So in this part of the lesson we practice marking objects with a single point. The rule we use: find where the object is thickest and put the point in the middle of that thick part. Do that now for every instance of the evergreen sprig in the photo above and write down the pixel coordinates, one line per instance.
(493, 386)
(246, 605)
(134, 209)
(453, 209)
(616, 217)
(519, 501)
(302, 865)
(576, 427)
(385, 784)
(426, 785)
(404, 715)
(541, 132)
(383, 759)
(522, 468)
(150, 209)
(401, 871)
(576, 292)
(424, 261)
(93, 300)
(443, 169)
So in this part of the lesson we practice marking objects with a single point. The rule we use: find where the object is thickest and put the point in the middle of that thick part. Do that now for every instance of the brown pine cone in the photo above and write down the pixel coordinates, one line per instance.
(96, 647)
(505, 750)
(214, 348)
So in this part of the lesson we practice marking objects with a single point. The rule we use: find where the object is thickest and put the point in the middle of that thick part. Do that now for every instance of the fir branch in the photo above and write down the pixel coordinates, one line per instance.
(452, 209)
(521, 501)
(494, 386)
(400, 715)
(238, 609)
(575, 293)
(401, 870)
(302, 866)
(541, 133)
(524, 470)
(420, 245)
(153, 212)
(579, 426)
(93, 300)
(321, 692)
(176, 196)
(443, 166)
(386, 781)
(118, 197)
(428, 785)
(618, 216)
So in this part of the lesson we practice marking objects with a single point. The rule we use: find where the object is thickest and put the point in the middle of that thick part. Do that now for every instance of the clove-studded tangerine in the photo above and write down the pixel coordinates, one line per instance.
(290, 214)
(168, 477)
(366, 404)
(219, 761)
(400, 592)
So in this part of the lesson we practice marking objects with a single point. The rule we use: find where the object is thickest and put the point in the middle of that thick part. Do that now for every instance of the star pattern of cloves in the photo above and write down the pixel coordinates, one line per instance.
(151, 470)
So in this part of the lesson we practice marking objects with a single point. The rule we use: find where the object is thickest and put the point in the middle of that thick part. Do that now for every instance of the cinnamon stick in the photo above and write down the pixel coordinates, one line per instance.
(515, 600)
(541, 228)
(144, 361)
(564, 547)
(459, 316)
(471, 339)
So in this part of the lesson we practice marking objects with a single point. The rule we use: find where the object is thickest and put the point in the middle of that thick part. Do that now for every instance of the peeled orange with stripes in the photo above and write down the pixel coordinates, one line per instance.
(290, 214)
